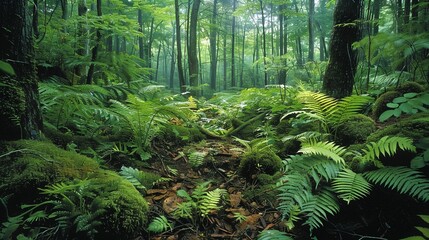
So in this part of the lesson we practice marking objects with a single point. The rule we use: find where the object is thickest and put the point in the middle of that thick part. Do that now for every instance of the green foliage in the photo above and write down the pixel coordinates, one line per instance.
(354, 130)
(134, 176)
(273, 235)
(159, 224)
(350, 186)
(401, 179)
(256, 161)
(409, 103)
(200, 203)
(197, 158)
(7, 68)
(423, 230)
(327, 149)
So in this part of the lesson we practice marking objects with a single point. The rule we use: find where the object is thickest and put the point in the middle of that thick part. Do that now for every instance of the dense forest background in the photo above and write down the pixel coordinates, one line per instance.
(214, 119)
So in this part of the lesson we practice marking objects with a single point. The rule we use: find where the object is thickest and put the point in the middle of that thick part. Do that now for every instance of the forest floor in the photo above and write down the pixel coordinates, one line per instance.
(237, 216)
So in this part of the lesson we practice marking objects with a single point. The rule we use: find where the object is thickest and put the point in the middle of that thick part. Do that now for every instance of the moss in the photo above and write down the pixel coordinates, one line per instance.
(354, 129)
(11, 108)
(408, 87)
(125, 209)
(179, 135)
(414, 127)
(257, 162)
(380, 104)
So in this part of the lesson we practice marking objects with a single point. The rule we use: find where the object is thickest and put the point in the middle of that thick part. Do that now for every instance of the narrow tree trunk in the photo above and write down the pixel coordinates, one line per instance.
(20, 115)
(95, 49)
(141, 44)
(213, 50)
(283, 44)
(376, 12)
(224, 63)
(173, 62)
(192, 49)
(242, 56)
(311, 31)
(179, 48)
(36, 19)
(339, 77)
(264, 44)
(233, 82)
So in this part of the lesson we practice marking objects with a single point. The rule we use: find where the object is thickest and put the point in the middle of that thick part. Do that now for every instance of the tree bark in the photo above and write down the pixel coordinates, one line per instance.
(311, 31)
(179, 48)
(95, 48)
(172, 62)
(192, 49)
(339, 76)
(20, 115)
(233, 82)
(213, 49)
(264, 43)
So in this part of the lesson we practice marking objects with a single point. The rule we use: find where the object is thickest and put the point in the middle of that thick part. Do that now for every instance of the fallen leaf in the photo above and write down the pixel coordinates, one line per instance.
(235, 199)
(251, 222)
(170, 203)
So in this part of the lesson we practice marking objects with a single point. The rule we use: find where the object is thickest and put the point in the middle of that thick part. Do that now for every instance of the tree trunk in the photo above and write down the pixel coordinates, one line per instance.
(141, 44)
(20, 115)
(192, 49)
(311, 31)
(264, 44)
(376, 12)
(95, 49)
(242, 56)
(282, 44)
(213, 50)
(172, 62)
(36, 19)
(339, 77)
(179, 48)
(233, 82)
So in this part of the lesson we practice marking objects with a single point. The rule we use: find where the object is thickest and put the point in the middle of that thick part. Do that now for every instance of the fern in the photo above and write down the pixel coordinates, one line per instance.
(386, 146)
(294, 189)
(402, 179)
(351, 186)
(196, 159)
(318, 207)
(159, 224)
(210, 201)
(134, 176)
(273, 235)
(327, 149)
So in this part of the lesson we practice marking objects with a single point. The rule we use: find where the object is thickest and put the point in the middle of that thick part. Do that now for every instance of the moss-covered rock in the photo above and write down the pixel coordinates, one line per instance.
(126, 210)
(354, 129)
(380, 105)
(258, 161)
(409, 87)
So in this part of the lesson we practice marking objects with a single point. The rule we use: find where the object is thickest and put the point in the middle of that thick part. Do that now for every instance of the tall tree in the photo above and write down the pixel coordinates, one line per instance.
(339, 76)
(192, 48)
(264, 43)
(95, 48)
(233, 81)
(20, 115)
(311, 30)
(213, 48)
(179, 48)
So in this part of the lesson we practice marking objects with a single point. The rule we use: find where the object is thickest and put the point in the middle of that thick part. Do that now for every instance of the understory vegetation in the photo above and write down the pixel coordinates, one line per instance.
(273, 163)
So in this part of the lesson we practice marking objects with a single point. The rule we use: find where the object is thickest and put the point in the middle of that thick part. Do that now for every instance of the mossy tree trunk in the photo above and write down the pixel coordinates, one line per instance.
(339, 77)
(20, 115)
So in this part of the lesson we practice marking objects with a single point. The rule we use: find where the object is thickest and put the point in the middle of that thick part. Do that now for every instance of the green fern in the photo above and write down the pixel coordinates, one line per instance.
(210, 201)
(318, 207)
(327, 149)
(196, 159)
(134, 176)
(402, 179)
(294, 189)
(273, 235)
(351, 186)
(386, 146)
(160, 224)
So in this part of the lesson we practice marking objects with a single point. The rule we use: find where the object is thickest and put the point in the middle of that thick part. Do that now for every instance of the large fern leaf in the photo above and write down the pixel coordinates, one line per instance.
(318, 207)
(402, 179)
(327, 149)
(386, 146)
(348, 106)
(294, 189)
(210, 201)
(351, 186)
(159, 224)
(134, 176)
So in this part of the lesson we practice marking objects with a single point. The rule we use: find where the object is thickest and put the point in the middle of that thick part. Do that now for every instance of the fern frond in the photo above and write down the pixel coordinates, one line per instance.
(402, 179)
(316, 167)
(273, 235)
(386, 146)
(351, 186)
(210, 201)
(305, 136)
(349, 106)
(159, 224)
(318, 103)
(318, 207)
(294, 189)
(327, 149)
(134, 176)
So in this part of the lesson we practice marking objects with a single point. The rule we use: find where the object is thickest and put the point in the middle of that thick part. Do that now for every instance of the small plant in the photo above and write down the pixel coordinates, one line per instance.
(409, 103)
(273, 235)
(197, 158)
(423, 230)
(160, 224)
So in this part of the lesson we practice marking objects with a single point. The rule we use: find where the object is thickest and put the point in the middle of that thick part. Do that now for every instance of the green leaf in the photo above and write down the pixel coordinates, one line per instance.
(386, 115)
(417, 163)
(406, 107)
(392, 105)
(7, 68)
(413, 238)
(273, 235)
(424, 218)
(397, 112)
(410, 95)
(351, 186)
(400, 100)
(424, 231)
